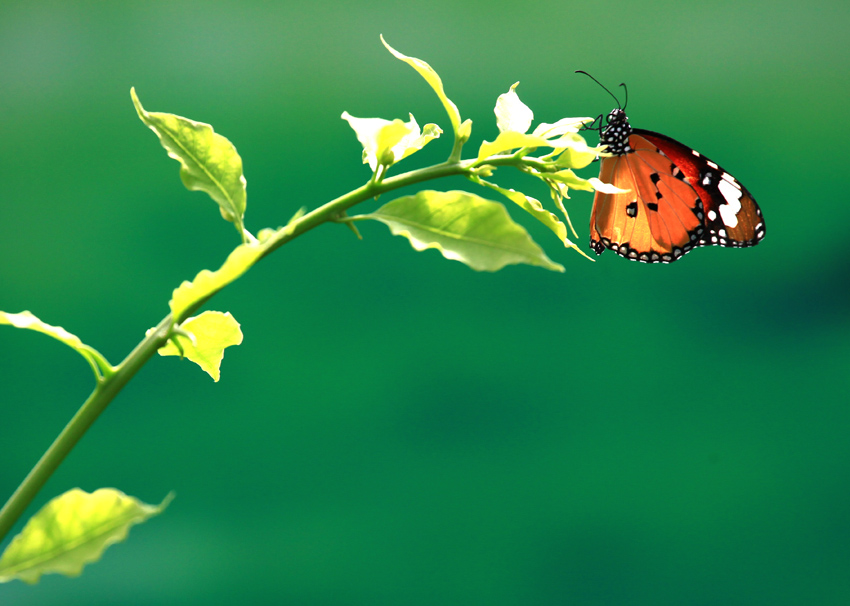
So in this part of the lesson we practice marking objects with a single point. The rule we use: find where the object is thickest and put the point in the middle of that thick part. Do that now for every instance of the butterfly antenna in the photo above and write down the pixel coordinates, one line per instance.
(579, 71)
(626, 88)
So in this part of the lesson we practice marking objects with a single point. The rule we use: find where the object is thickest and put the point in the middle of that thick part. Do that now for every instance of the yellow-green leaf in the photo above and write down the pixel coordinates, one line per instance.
(73, 530)
(570, 179)
(385, 142)
(28, 321)
(574, 151)
(433, 80)
(559, 128)
(533, 207)
(463, 227)
(509, 140)
(208, 161)
(207, 282)
(213, 331)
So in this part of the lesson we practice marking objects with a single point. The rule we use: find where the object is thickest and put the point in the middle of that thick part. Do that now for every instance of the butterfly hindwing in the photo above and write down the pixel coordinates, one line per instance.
(659, 219)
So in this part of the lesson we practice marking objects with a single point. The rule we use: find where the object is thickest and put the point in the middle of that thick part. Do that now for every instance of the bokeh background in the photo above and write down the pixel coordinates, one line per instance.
(396, 428)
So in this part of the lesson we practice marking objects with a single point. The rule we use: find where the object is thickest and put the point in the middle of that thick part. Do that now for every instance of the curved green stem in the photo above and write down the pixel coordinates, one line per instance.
(115, 378)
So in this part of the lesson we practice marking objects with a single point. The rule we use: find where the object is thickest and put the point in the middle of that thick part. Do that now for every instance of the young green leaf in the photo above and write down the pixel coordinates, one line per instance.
(605, 188)
(433, 80)
(463, 227)
(213, 331)
(573, 181)
(574, 151)
(73, 530)
(27, 320)
(533, 207)
(385, 142)
(511, 113)
(207, 282)
(558, 137)
(510, 140)
(208, 161)
(561, 127)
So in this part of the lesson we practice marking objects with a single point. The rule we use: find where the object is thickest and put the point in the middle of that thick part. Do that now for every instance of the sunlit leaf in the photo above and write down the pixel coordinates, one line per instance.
(507, 141)
(28, 321)
(207, 282)
(574, 151)
(73, 530)
(559, 128)
(572, 180)
(465, 131)
(463, 227)
(385, 142)
(414, 144)
(511, 113)
(533, 207)
(605, 188)
(213, 331)
(433, 80)
(208, 161)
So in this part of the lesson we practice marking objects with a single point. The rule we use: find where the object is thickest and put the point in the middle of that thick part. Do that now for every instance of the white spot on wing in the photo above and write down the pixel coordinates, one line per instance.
(732, 195)
(712, 215)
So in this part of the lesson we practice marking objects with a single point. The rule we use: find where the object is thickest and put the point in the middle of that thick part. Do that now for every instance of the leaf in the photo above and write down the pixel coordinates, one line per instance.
(207, 282)
(561, 127)
(507, 141)
(605, 188)
(27, 320)
(572, 180)
(73, 530)
(574, 151)
(385, 142)
(463, 227)
(465, 131)
(433, 80)
(208, 161)
(429, 133)
(213, 331)
(533, 207)
(511, 113)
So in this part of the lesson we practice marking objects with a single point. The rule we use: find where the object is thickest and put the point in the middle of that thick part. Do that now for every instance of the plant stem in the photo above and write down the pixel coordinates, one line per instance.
(79, 424)
(112, 384)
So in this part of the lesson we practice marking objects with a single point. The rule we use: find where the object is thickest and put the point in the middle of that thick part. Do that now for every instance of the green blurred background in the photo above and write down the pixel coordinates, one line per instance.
(396, 428)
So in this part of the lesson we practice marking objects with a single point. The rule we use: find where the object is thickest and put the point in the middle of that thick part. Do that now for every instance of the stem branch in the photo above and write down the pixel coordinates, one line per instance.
(114, 382)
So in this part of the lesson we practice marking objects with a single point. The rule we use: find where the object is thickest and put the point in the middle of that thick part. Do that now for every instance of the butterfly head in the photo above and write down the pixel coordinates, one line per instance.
(617, 115)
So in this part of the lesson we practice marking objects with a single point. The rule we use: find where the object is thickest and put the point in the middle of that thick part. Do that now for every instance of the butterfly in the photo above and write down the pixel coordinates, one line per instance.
(676, 199)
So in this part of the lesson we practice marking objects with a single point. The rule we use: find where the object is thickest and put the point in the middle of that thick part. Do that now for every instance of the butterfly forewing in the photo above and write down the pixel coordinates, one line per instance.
(732, 217)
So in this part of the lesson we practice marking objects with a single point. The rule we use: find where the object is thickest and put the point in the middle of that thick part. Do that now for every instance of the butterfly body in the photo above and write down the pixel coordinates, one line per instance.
(676, 198)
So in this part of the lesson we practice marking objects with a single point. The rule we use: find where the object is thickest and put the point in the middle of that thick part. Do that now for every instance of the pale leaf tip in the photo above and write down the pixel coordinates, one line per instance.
(166, 501)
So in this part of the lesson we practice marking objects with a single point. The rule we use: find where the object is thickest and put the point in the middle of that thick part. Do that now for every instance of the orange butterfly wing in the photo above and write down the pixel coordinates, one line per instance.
(732, 216)
(659, 219)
